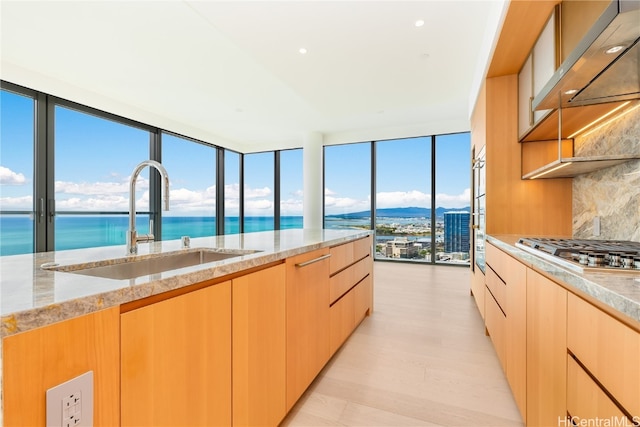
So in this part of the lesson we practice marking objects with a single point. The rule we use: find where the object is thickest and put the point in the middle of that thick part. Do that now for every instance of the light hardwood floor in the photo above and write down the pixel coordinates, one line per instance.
(421, 359)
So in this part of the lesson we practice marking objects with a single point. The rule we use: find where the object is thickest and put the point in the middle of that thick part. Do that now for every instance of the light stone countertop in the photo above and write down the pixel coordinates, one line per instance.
(618, 290)
(31, 297)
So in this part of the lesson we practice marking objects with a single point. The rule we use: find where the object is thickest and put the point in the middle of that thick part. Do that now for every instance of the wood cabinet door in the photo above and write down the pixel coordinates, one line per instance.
(307, 308)
(37, 360)
(259, 358)
(176, 360)
(609, 349)
(546, 351)
(585, 400)
(515, 274)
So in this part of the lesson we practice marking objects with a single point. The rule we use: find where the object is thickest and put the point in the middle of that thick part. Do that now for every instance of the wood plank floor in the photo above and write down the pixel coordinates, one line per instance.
(421, 359)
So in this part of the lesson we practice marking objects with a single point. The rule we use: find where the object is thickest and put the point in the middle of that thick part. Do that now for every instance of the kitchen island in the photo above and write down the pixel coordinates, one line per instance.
(35, 298)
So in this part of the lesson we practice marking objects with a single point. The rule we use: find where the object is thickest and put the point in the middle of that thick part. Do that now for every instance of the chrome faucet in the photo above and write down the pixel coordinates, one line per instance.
(132, 236)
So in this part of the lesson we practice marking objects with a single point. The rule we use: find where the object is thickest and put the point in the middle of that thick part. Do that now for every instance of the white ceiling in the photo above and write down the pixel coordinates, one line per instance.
(230, 72)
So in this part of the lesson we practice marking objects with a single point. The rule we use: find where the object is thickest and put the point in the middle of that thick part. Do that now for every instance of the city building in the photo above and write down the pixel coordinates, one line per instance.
(456, 232)
(401, 247)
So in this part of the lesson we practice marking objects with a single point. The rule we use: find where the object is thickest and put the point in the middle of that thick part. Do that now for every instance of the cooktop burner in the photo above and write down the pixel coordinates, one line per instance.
(586, 254)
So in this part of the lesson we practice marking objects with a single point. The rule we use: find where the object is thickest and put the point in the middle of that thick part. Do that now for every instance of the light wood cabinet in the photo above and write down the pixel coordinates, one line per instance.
(307, 319)
(586, 400)
(259, 359)
(546, 351)
(535, 73)
(176, 360)
(39, 359)
(350, 289)
(506, 318)
(608, 349)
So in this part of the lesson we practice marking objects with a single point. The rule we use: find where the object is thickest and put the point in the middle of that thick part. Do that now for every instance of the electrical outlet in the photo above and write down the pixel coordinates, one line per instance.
(70, 404)
(596, 226)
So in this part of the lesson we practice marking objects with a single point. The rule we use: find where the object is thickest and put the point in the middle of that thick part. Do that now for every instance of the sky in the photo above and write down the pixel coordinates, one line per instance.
(94, 159)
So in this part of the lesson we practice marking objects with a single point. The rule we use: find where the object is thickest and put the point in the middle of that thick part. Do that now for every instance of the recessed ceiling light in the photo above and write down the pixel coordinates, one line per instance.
(419, 23)
(302, 50)
(570, 91)
(614, 49)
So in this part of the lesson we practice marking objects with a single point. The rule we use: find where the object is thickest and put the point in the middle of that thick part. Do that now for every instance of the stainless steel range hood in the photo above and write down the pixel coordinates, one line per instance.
(595, 72)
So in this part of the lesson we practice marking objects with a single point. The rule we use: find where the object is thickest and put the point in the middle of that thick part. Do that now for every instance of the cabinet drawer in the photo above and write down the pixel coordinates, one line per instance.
(363, 298)
(497, 287)
(608, 349)
(497, 259)
(495, 322)
(344, 255)
(341, 320)
(346, 279)
(585, 399)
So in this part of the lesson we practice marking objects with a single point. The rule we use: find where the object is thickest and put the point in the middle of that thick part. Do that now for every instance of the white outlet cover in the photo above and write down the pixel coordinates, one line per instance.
(82, 384)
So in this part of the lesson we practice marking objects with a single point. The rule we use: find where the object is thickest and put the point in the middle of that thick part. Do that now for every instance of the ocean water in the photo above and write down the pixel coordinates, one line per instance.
(82, 231)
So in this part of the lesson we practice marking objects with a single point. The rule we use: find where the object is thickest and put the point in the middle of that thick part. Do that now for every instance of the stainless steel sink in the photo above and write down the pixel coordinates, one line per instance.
(136, 266)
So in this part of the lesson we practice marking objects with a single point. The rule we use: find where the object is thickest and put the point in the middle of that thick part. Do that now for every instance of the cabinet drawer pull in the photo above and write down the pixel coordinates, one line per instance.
(304, 264)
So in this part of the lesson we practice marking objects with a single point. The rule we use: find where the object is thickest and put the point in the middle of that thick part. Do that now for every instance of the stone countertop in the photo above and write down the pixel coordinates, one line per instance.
(618, 290)
(31, 297)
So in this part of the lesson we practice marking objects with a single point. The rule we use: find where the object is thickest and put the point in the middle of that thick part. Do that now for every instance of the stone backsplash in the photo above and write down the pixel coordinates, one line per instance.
(613, 194)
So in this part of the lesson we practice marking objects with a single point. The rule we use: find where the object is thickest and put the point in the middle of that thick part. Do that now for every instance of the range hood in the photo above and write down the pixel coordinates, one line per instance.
(604, 67)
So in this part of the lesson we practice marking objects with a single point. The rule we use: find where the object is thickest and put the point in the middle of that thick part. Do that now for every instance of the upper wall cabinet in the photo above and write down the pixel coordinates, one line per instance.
(536, 71)
(597, 81)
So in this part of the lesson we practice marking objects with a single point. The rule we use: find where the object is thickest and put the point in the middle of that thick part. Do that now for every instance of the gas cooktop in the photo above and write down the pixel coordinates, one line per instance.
(584, 255)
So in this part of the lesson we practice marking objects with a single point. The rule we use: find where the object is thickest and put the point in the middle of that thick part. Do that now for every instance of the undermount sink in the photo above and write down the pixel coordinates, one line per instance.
(136, 266)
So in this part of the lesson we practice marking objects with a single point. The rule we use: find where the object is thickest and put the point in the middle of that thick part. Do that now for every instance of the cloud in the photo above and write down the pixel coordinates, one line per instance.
(22, 203)
(403, 199)
(291, 207)
(250, 193)
(96, 203)
(93, 188)
(9, 177)
(454, 201)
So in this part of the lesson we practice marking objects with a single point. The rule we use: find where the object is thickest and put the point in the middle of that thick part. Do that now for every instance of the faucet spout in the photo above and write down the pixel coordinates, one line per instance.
(132, 236)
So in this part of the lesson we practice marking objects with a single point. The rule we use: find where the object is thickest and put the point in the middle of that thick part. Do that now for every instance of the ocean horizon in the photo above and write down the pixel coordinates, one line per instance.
(83, 231)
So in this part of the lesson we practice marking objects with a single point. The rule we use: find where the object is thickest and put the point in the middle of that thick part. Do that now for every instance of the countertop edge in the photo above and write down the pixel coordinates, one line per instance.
(620, 305)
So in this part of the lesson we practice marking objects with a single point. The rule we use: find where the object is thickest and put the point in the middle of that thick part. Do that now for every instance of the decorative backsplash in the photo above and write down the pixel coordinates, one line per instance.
(613, 194)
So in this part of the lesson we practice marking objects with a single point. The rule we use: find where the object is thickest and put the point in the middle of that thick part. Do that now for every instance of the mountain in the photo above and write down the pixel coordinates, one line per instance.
(411, 212)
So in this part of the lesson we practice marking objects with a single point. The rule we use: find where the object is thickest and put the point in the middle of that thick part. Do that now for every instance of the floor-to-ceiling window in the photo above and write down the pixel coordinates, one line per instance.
(17, 213)
(94, 159)
(259, 208)
(403, 199)
(291, 187)
(191, 166)
(232, 192)
(347, 186)
(420, 198)
(452, 189)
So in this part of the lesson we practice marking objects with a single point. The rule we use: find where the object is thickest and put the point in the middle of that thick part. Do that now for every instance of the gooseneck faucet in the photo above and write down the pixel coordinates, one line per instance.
(132, 236)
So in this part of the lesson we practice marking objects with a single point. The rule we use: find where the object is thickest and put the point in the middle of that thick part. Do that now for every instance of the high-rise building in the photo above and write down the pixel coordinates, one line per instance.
(456, 232)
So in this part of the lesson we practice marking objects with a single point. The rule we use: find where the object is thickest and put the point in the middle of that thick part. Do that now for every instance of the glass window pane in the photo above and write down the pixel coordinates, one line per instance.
(94, 158)
(347, 190)
(453, 196)
(291, 186)
(231, 192)
(403, 199)
(192, 172)
(16, 173)
(258, 192)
